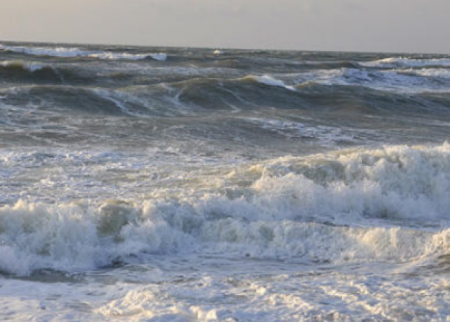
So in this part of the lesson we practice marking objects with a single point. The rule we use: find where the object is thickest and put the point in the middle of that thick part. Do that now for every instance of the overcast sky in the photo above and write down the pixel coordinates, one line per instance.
(350, 25)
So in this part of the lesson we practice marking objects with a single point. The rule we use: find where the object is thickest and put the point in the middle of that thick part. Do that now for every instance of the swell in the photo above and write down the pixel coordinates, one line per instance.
(200, 95)
(31, 72)
(74, 52)
(385, 204)
(65, 99)
(266, 64)
(394, 80)
(42, 72)
(397, 80)
(406, 62)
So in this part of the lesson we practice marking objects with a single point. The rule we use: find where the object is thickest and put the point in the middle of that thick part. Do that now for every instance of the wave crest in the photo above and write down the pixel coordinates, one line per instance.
(393, 62)
(70, 52)
(344, 206)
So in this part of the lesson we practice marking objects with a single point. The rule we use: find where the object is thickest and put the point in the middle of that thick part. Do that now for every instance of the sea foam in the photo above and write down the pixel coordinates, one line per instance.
(393, 62)
(356, 205)
(69, 52)
(19, 64)
(269, 81)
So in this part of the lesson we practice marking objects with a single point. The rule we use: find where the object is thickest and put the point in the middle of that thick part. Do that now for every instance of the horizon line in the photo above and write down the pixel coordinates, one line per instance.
(218, 47)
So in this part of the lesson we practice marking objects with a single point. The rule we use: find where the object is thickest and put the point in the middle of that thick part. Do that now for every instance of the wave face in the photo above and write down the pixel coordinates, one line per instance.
(174, 184)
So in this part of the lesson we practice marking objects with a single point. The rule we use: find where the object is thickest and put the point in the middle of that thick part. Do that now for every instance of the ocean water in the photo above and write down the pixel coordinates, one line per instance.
(179, 184)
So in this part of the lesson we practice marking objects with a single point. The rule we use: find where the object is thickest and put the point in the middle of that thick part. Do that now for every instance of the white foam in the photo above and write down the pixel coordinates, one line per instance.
(407, 81)
(30, 66)
(233, 290)
(270, 81)
(71, 52)
(429, 72)
(356, 205)
(71, 238)
(393, 62)
(45, 51)
(128, 56)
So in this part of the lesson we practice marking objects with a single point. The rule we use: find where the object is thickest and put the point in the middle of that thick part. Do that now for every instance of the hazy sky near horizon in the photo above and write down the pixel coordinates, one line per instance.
(351, 25)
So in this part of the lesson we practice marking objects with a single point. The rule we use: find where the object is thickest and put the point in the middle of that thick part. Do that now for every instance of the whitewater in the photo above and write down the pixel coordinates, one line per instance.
(178, 184)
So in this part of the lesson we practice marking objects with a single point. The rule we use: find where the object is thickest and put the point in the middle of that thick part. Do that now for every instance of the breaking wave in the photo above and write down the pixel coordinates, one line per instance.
(31, 72)
(70, 52)
(394, 62)
(382, 204)
(23, 65)
(269, 81)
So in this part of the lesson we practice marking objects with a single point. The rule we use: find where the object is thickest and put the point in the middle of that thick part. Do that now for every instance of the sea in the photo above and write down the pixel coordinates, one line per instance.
(181, 184)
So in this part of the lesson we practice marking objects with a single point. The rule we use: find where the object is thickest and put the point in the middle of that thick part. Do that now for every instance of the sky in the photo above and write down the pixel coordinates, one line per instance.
(336, 25)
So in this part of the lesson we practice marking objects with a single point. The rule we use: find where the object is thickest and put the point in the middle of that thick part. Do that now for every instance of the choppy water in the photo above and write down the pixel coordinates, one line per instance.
(176, 184)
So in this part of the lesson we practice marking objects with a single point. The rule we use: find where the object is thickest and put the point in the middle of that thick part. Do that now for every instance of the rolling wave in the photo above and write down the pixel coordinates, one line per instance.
(429, 72)
(393, 62)
(23, 65)
(203, 95)
(345, 206)
(31, 72)
(231, 183)
(269, 81)
(395, 80)
(71, 52)
(62, 98)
